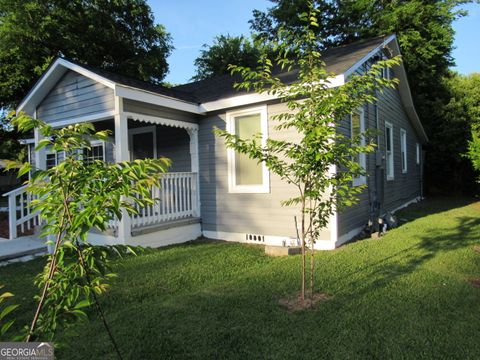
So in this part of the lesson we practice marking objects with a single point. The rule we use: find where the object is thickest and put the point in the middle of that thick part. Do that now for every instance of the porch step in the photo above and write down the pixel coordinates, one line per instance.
(165, 226)
(282, 250)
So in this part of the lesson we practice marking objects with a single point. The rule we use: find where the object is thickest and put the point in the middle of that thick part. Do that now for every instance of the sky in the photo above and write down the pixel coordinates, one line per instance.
(193, 23)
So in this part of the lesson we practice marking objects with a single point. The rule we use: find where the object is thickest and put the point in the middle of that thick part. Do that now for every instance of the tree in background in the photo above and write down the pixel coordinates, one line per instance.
(425, 34)
(214, 59)
(462, 117)
(120, 36)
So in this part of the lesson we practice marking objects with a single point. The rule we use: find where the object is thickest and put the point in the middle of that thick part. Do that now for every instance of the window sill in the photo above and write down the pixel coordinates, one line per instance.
(252, 190)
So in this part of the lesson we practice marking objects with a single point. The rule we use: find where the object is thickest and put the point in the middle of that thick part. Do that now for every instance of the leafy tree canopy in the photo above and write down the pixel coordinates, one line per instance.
(425, 34)
(462, 117)
(225, 50)
(115, 35)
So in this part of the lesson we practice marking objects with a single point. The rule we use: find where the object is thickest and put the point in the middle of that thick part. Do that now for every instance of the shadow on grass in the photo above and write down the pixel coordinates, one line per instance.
(429, 241)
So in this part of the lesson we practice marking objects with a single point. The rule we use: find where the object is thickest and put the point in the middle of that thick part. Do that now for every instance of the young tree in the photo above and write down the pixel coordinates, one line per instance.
(72, 198)
(314, 111)
(225, 50)
(425, 35)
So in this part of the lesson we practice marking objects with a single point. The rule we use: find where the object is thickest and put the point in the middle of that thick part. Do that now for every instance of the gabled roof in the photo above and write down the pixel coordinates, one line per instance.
(218, 92)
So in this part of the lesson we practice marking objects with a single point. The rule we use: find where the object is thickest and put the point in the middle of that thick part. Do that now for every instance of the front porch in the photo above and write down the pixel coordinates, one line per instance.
(135, 136)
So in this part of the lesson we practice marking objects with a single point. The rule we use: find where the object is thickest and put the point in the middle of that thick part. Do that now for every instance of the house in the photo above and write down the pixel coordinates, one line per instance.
(209, 190)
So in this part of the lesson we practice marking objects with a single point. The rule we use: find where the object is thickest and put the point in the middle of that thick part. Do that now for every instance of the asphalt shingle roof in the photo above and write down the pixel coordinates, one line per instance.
(337, 60)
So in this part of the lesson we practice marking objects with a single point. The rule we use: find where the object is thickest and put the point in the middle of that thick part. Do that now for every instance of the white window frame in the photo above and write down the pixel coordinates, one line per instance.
(141, 130)
(418, 153)
(55, 153)
(230, 126)
(99, 143)
(389, 158)
(362, 179)
(403, 150)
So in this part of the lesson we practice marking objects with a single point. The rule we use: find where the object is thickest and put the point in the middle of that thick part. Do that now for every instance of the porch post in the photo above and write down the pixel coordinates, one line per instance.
(195, 167)
(122, 154)
(40, 155)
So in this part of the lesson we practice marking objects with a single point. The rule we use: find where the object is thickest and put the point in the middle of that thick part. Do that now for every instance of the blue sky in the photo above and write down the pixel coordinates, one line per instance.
(193, 23)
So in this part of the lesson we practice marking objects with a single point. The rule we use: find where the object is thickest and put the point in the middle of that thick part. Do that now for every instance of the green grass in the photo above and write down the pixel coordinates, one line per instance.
(405, 296)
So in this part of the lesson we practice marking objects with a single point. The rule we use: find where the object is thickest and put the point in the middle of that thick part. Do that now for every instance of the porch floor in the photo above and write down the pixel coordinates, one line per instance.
(164, 225)
(21, 247)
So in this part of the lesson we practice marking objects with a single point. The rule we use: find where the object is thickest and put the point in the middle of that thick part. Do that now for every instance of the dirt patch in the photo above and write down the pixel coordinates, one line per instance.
(297, 304)
(476, 248)
(475, 282)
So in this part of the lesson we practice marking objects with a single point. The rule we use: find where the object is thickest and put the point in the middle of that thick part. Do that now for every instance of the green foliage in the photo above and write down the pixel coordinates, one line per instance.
(425, 35)
(463, 116)
(120, 36)
(5, 311)
(214, 59)
(314, 112)
(72, 198)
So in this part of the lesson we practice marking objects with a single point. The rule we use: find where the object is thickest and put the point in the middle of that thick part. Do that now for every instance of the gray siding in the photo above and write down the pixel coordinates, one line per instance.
(75, 96)
(404, 187)
(242, 213)
(155, 110)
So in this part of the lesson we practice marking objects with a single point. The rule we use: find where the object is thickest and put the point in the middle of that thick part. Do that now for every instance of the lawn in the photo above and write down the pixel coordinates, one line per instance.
(405, 296)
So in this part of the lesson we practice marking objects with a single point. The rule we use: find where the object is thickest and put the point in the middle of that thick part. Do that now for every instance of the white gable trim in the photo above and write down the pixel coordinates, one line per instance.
(372, 53)
(403, 87)
(50, 78)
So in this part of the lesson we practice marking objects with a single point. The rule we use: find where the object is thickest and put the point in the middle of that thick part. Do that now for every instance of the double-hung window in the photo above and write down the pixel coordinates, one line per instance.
(53, 158)
(403, 149)
(95, 152)
(357, 127)
(389, 151)
(246, 175)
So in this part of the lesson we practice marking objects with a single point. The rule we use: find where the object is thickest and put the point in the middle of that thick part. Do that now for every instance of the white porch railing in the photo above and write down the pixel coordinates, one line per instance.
(177, 198)
(20, 212)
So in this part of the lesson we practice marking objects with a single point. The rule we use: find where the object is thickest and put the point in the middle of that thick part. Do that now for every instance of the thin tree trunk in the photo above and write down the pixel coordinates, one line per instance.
(304, 265)
(51, 272)
(312, 269)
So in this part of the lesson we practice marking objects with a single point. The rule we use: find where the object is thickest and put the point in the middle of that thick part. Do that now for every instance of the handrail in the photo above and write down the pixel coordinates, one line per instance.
(20, 211)
(16, 191)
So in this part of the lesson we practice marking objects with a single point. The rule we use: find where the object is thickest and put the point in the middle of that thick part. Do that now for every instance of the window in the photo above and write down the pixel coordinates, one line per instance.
(418, 154)
(53, 158)
(96, 152)
(389, 151)
(246, 175)
(357, 127)
(403, 149)
(386, 73)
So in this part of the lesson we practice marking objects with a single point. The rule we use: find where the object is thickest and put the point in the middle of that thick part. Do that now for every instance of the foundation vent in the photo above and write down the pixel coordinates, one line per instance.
(255, 238)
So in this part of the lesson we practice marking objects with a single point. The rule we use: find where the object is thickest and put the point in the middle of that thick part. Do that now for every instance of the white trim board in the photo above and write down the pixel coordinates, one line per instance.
(254, 98)
(273, 240)
(105, 115)
(156, 99)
